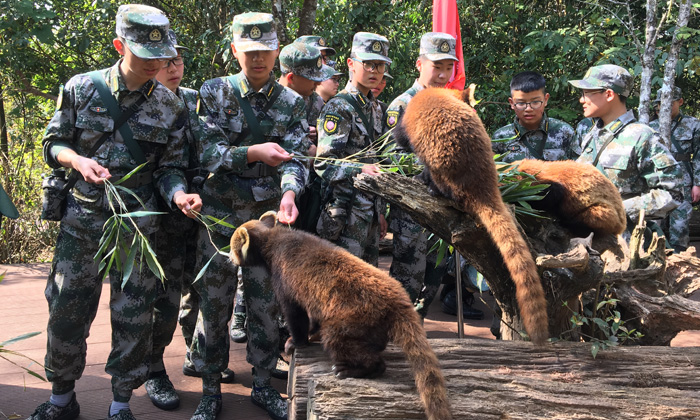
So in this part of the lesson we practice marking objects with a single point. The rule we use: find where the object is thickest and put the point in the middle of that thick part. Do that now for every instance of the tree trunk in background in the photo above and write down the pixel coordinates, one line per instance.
(670, 72)
(278, 11)
(647, 59)
(4, 141)
(307, 17)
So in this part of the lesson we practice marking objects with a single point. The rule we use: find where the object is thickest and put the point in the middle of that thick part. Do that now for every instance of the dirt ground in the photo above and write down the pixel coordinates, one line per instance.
(23, 309)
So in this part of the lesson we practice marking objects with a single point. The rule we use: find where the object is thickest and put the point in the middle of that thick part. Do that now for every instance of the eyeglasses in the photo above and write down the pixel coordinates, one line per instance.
(587, 94)
(336, 79)
(379, 67)
(177, 61)
(522, 106)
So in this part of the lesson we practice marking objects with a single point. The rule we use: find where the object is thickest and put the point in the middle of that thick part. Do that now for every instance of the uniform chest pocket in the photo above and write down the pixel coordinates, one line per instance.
(149, 133)
(360, 128)
(233, 121)
(92, 125)
(615, 161)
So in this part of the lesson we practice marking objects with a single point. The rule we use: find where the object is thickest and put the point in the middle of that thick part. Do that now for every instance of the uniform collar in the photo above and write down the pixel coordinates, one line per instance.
(361, 99)
(619, 123)
(417, 86)
(247, 90)
(115, 81)
(544, 126)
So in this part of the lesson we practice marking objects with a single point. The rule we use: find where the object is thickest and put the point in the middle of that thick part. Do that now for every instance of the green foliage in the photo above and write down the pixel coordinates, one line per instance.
(4, 353)
(601, 323)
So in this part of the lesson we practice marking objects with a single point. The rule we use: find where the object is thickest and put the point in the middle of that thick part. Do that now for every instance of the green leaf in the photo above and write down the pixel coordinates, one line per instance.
(141, 213)
(19, 338)
(129, 263)
(130, 174)
(594, 349)
(219, 221)
(204, 269)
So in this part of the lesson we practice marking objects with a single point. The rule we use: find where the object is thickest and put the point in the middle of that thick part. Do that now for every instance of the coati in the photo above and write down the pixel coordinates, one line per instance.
(448, 137)
(579, 195)
(359, 307)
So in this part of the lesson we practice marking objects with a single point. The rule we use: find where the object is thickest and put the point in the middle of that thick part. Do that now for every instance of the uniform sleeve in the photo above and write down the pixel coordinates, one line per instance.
(695, 149)
(498, 145)
(217, 153)
(658, 167)
(294, 173)
(170, 175)
(333, 134)
(61, 131)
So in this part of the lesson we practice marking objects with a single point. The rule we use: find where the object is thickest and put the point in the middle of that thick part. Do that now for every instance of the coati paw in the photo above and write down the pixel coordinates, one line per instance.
(291, 345)
(344, 370)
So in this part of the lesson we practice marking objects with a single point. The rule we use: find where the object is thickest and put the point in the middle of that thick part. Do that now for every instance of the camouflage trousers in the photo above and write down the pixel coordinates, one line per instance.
(73, 292)
(210, 344)
(678, 227)
(410, 246)
(359, 235)
(432, 279)
(175, 246)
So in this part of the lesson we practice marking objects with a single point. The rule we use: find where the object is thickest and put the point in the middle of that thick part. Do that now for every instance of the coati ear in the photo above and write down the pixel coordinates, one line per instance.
(240, 242)
(468, 95)
(269, 219)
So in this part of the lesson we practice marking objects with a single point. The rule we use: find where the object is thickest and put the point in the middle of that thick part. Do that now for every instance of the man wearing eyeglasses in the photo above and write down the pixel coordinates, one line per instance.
(350, 122)
(329, 88)
(156, 135)
(630, 154)
(532, 135)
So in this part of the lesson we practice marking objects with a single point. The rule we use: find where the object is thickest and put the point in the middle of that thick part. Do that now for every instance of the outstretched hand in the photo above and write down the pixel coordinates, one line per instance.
(288, 211)
(269, 153)
(188, 203)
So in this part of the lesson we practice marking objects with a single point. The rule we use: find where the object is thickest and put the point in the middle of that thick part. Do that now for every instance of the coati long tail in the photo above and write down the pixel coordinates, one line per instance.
(410, 336)
(517, 258)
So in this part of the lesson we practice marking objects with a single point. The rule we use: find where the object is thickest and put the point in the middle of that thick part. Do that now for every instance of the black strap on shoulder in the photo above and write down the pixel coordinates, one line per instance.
(369, 126)
(538, 154)
(249, 114)
(120, 122)
(610, 137)
(116, 113)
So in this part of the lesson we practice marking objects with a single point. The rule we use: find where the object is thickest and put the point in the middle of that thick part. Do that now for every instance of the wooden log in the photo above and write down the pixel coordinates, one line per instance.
(490, 379)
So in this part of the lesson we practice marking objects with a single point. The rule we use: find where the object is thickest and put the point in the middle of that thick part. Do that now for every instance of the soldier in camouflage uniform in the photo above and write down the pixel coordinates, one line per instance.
(532, 135)
(329, 88)
(435, 63)
(74, 284)
(253, 167)
(685, 146)
(175, 246)
(350, 122)
(630, 154)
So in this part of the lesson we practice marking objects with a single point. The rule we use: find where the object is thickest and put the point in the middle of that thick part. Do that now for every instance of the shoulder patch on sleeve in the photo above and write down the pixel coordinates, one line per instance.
(330, 123)
(199, 100)
(392, 117)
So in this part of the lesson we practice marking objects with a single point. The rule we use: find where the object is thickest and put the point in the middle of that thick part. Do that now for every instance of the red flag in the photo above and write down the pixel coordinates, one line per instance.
(446, 19)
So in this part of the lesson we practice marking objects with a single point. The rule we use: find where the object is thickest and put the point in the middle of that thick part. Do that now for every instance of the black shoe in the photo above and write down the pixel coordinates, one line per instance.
(162, 392)
(227, 376)
(281, 370)
(48, 411)
(209, 407)
(449, 306)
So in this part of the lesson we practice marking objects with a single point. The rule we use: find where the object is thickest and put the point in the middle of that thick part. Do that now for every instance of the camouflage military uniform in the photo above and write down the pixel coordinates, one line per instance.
(351, 217)
(74, 285)
(409, 238)
(236, 193)
(685, 132)
(175, 246)
(635, 160)
(553, 140)
(314, 104)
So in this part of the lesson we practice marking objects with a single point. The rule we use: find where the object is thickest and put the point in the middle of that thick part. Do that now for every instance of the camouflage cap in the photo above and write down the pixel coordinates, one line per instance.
(316, 41)
(145, 30)
(606, 76)
(173, 40)
(368, 46)
(388, 76)
(677, 94)
(437, 46)
(254, 31)
(332, 64)
(304, 60)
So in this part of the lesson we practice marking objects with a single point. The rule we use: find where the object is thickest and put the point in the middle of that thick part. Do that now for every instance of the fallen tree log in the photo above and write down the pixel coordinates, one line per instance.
(568, 266)
(490, 379)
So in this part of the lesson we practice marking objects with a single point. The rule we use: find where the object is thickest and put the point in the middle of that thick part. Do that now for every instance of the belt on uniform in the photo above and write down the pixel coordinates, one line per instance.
(258, 170)
(681, 157)
(136, 180)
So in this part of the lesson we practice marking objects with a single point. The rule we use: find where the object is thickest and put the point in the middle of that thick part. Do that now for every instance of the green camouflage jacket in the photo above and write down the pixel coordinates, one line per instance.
(190, 97)
(635, 160)
(314, 105)
(686, 132)
(396, 108)
(226, 137)
(158, 126)
(341, 133)
(553, 140)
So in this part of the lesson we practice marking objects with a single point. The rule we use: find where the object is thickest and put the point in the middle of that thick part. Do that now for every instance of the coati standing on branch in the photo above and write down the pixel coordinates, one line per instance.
(448, 137)
(358, 306)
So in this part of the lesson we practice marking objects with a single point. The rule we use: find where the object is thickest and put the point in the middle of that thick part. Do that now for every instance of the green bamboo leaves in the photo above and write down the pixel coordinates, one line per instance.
(122, 241)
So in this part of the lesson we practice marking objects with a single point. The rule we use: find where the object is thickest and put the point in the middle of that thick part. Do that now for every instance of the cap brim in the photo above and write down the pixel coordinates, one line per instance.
(372, 57)
(327, 72)
(328, 50)
(152, 51)
(438, 57)
(246, 46)
(582, 84)
(180, 47)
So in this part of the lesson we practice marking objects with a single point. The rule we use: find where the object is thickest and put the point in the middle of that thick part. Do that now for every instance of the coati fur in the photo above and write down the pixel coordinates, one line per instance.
(447, 135)
(579, 195)
(359, 307)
